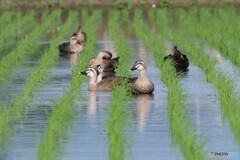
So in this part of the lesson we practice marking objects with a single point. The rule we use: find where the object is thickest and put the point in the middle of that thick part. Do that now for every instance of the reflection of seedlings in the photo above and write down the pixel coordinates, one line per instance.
(182, 134)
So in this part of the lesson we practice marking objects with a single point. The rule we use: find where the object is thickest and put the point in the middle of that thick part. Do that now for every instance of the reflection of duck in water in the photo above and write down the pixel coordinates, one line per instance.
(180, 60)
(92, 103)
(143, 102)
(141, 84)
(75, 44)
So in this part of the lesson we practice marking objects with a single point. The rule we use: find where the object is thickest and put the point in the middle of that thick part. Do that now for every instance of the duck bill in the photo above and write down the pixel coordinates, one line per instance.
(82, 73)
(132, 69)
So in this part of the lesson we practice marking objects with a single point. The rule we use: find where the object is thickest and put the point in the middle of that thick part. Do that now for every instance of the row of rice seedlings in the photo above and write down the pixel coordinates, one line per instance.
(49, 146)
(222, 27)
(9, 34)
(6, 18)
(16, 109)
(229, 98)
(121, 45)
(36, 49)
(27, 46)
(118, 115)
(228, 43)
(182, 133)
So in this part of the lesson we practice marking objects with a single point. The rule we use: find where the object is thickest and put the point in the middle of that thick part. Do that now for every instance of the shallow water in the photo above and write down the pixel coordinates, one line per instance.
(147, 128)
(225, 66)
(204, 109)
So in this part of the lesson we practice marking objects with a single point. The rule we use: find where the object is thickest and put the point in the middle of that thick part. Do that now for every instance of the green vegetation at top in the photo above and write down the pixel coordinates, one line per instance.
(62, 113)
(229, 98)
(118, 115)
(117, 3)
(182, 134)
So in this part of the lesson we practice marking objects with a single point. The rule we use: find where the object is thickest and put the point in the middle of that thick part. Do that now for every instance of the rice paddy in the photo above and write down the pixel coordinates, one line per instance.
(47, 111)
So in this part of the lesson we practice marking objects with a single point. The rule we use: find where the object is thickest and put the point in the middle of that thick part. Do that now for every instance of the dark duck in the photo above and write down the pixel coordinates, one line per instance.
(180, 60)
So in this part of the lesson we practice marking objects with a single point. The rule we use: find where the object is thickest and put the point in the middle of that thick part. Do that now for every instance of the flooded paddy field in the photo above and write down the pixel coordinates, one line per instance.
(47, 111)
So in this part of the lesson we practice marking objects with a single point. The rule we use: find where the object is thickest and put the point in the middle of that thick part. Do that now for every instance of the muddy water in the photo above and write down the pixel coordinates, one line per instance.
(147, 128)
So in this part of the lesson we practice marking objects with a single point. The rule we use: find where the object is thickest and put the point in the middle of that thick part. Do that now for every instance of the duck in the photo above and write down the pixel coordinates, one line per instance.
(103, 85)
(116, 78)
(75, 44)
(141, 84)
(80, 35)
(108, 64)
(180, 60)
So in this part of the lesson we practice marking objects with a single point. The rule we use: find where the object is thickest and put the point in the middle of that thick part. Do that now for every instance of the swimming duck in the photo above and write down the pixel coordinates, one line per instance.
(103, 85)
(75, 44)
(180, 60)
(116, 78)
(141, 84)
(80, 35)
(104, 58)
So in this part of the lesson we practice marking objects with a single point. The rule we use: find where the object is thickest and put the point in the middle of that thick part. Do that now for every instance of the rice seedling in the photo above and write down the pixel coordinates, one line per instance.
(121, 45)
(223, 20)
(182, 134)
(6, 18)
(229, 98)
(23, 50)
(12, 31)
(62, 113)
(16, 110)
(116, 123)
(118, 115)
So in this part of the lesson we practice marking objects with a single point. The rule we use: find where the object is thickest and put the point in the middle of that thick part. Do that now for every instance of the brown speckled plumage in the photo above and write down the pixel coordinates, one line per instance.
(141, 84)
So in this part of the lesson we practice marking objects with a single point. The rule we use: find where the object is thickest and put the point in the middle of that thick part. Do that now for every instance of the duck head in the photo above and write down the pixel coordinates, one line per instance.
(99, 68)
(139, 65)
(90, 72)
(73, 46)
(175, 50)
(80, 35)
(104, 55)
